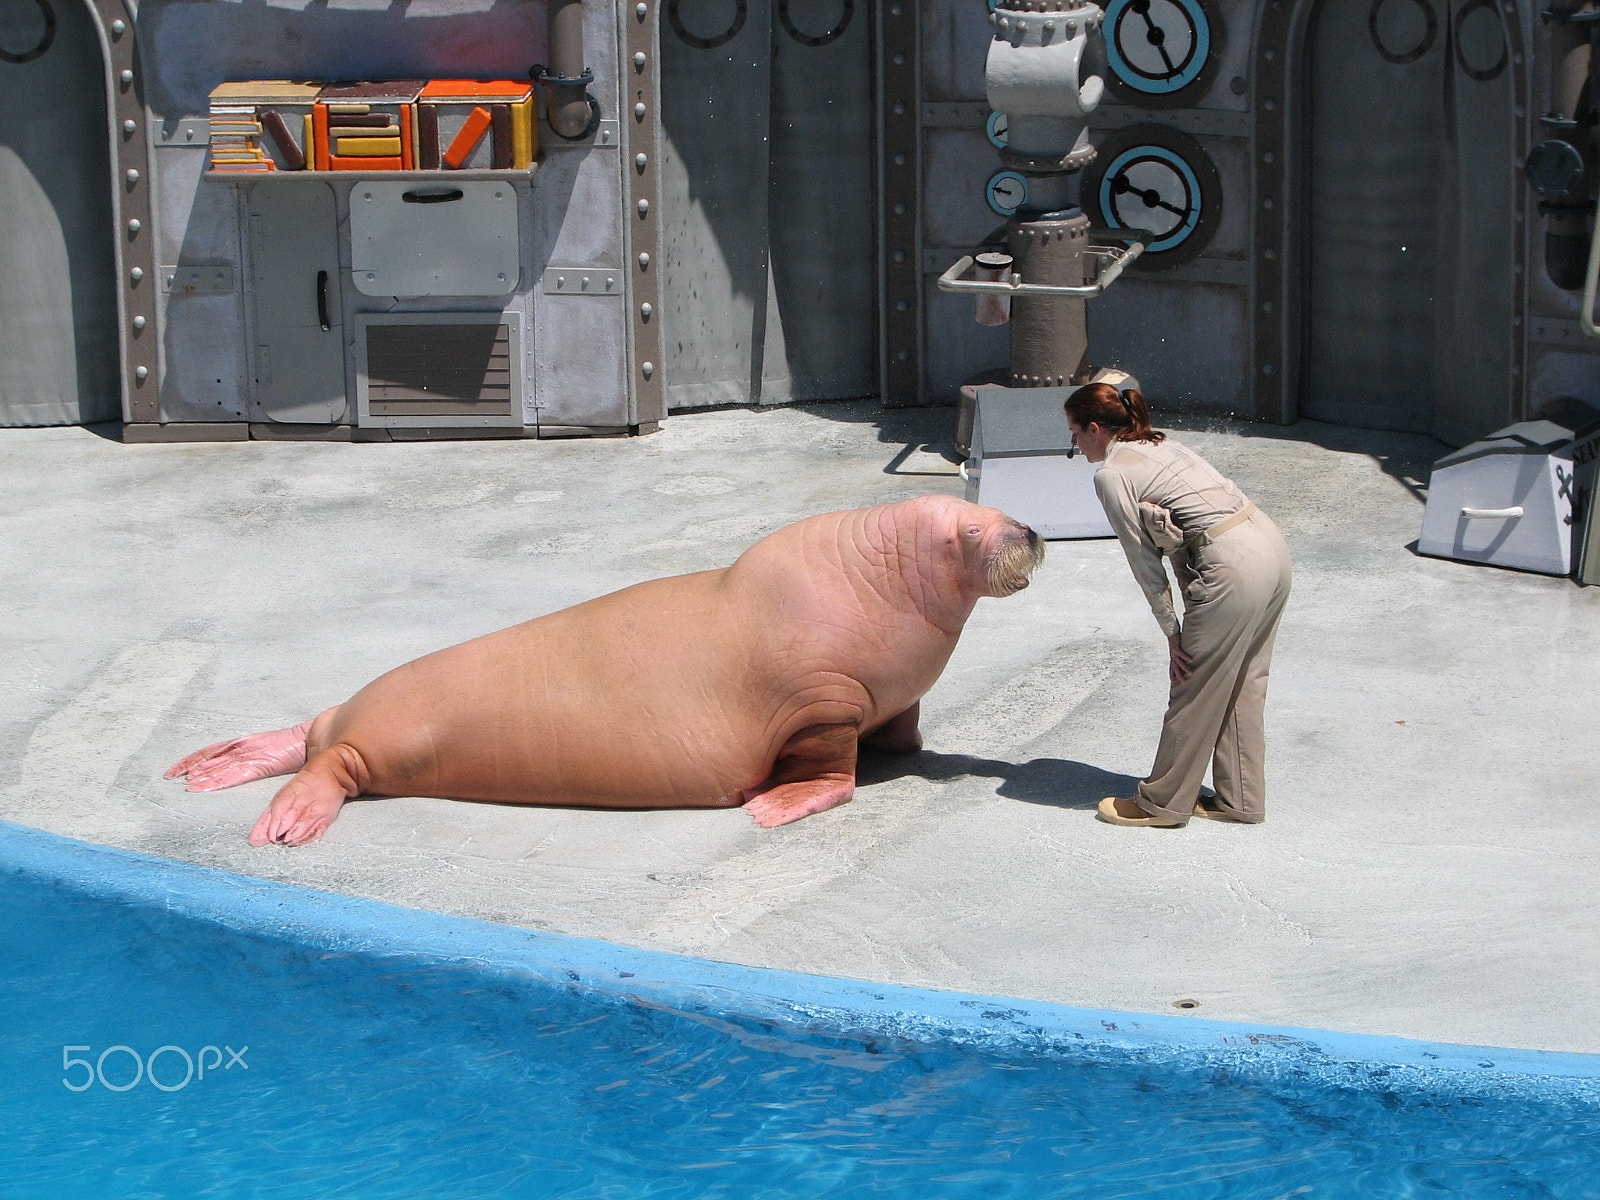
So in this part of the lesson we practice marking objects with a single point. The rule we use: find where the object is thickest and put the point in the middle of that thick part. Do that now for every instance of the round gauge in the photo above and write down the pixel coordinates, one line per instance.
(45, 35)
(1007, 191)
(1156, 49)
(996, 127)
(1154, 178)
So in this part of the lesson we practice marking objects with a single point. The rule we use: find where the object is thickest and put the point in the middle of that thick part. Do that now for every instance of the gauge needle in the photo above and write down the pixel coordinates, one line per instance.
(1155, 35)
(1151, 197)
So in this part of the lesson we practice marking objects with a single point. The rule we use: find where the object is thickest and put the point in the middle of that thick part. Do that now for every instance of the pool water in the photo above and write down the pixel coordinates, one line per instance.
(342, 1072)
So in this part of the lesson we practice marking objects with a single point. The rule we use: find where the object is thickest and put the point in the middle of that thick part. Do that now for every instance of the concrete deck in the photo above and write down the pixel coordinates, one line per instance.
(1429, 864)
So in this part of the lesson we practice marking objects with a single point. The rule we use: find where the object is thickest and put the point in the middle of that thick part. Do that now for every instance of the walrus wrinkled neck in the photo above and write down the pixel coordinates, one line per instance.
(922, 565)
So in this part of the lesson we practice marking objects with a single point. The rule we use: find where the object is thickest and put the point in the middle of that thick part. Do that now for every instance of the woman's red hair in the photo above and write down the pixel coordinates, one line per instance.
(1123, 414)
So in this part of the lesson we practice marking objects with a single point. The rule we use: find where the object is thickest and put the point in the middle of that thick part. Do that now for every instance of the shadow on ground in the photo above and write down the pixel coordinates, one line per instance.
(1055, 782)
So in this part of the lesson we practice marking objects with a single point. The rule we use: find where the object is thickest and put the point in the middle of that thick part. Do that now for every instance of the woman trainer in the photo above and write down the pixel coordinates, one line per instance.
(1233, 569)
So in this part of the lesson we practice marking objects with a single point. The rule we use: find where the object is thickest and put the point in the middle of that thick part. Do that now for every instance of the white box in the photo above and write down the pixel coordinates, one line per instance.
(1020, 464)
(1506, 500)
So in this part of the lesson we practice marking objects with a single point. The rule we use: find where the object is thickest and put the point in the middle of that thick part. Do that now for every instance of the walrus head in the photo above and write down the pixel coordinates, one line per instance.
(1005, 551)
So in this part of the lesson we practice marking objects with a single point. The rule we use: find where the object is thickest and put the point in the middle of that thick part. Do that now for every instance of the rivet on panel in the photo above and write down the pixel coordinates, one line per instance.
(644, 207)
(640, 59)
(639, 110)
(899, 160)
(644, 262)
(899, 60)
(134, 225)
(133, 177)
(126, 77)
(611, 282)
(141, 373)
(903, 356)
(641, 11)
(129, 126)
(136, 274)
(646, 309)
(902, 305)
(641, 161)
(899, 210)
(139, 322)
(647, 369)
(118, 28)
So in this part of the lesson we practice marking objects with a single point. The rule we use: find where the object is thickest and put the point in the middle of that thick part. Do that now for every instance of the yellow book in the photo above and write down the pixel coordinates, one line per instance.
(367, 147)
(524, 135)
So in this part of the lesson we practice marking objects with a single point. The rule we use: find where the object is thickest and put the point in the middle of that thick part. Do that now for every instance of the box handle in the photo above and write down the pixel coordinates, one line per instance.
(1491, 513)
(418, 196)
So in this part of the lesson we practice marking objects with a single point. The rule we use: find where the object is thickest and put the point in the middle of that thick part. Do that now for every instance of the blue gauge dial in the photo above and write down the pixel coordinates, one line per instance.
(1157, 47)
(1007, 191)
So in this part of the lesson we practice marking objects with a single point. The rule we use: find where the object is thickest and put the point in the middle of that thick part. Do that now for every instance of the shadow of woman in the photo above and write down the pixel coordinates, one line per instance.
(1056, 782)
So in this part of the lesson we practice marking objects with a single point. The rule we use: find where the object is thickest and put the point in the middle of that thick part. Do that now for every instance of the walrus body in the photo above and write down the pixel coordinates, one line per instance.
(748, 685)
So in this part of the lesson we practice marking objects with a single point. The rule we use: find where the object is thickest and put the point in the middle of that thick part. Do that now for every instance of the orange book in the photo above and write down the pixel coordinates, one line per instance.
(408, 159)
(338, 163)
(319, 135)
(477, 124)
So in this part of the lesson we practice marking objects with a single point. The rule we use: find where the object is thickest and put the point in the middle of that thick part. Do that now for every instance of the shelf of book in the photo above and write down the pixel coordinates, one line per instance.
(466, 173)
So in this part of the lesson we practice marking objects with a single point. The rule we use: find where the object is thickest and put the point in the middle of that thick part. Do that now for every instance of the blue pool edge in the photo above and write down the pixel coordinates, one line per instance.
(348, 924)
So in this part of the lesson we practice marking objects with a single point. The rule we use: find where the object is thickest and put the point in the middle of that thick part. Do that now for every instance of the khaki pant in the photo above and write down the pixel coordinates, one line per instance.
(1234, 591)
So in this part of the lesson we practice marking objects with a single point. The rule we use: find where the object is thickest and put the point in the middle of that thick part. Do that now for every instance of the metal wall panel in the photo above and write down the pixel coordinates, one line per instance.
(767, 246)
(58, 295)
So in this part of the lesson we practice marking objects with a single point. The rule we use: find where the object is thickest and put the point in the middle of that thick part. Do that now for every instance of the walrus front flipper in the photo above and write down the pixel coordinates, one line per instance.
(816, 770)
(306, 805)
(239, 760)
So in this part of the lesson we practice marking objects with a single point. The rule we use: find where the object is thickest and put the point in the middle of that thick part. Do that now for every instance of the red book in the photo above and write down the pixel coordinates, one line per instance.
(477, 124)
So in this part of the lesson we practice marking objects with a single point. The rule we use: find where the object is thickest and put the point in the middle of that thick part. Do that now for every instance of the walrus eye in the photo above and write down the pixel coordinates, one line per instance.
(974, 531)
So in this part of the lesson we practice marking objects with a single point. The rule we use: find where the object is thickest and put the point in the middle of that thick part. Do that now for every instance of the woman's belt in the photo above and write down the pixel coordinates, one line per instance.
(1217, 528)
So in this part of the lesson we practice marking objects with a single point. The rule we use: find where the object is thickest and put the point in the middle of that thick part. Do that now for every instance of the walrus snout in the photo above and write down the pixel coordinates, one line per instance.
(1018, 556)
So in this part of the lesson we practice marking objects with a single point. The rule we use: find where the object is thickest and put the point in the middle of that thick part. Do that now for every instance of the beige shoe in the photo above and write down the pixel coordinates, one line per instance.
(1108, 813)
(1213, 812)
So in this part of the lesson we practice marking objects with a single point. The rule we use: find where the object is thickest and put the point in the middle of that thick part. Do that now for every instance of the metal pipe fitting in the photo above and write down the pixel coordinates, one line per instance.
(566, 104)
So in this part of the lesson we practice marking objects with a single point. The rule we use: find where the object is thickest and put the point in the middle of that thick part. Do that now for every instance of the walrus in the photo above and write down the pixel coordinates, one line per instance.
(750, 685)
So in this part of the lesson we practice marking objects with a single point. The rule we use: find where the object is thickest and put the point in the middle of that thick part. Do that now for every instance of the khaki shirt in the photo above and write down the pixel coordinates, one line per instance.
(1174, 477)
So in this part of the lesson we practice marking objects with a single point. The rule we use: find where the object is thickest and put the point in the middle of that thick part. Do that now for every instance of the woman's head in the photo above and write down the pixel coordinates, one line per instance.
(1099, 414)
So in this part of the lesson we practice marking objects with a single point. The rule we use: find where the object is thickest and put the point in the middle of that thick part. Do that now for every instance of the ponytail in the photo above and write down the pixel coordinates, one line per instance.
(1124, 414)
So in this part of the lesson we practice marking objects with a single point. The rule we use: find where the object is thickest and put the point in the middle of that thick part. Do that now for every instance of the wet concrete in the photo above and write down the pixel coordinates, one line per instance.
(1427, 869)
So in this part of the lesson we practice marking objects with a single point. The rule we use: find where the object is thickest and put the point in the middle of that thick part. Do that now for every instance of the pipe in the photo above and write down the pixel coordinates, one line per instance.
(566, 104)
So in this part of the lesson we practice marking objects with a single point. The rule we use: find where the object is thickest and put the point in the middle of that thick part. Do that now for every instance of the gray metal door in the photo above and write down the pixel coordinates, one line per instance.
(1410, 167)
(294, 253)
(58, 300)
(768, 252)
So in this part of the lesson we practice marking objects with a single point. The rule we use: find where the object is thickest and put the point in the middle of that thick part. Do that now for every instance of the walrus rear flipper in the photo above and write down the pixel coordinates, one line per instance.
(306, 805)
(816, 770)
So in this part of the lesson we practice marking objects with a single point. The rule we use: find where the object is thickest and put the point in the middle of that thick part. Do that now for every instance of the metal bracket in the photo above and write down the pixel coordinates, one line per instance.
(583, 281)
(191, 132)
(188, 279)
(1112, 260)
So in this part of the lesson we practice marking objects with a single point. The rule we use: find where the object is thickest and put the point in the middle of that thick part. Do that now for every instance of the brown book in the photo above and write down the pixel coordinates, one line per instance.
(500, 130)
(427, 137)
(293, 158)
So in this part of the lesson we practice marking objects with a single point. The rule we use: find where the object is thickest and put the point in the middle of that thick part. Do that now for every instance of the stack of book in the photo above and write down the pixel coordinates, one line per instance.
(399, 125)
(262, 125)
(367, 126)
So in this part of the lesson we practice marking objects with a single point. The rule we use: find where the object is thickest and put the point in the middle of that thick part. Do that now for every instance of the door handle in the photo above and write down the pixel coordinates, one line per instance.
(322, 300)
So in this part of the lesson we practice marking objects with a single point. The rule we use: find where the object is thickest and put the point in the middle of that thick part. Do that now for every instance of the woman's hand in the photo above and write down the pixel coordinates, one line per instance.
(1181, 666)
